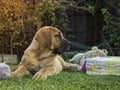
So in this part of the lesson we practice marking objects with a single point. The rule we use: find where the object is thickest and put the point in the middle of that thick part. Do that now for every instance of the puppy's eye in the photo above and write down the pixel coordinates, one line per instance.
(58, 35)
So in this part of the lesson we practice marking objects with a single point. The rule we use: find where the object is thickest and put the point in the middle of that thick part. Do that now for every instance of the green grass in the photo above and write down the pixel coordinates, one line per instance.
(63, 81)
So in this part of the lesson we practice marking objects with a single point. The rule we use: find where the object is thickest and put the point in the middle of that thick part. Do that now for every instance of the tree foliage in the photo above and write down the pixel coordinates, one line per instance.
(20, 19)
(112, 32)
(11, 21)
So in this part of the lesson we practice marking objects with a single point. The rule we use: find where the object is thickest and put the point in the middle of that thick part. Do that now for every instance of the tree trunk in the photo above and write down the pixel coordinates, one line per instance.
(2, 51)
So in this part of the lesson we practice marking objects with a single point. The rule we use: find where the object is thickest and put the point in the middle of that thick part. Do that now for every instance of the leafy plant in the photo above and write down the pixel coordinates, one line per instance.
(62, 20)
(19, 21)
(112, 31)
(11, 22)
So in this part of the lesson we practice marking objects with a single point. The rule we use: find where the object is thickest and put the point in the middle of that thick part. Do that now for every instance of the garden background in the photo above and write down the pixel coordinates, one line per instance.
(85, 23)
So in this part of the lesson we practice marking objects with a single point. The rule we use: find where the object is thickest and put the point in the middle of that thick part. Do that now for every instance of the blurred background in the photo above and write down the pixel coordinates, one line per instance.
(86, 23)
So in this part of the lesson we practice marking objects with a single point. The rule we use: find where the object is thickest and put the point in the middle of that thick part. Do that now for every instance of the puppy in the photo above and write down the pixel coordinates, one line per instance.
(94, 52)
(42, 55)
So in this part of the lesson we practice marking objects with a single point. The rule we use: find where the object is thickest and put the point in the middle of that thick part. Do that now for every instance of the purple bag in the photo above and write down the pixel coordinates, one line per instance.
(84, 66)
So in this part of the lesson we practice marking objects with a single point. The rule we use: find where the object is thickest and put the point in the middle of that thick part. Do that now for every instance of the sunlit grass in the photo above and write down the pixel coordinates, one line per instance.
(63, 81)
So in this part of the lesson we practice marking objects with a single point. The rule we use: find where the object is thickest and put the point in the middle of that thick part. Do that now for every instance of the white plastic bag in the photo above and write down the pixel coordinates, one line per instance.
(4, 71)
(109, 65)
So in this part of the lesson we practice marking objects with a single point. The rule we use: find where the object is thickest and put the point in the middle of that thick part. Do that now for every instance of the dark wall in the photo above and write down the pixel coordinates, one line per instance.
(86, 27)
(78, 24)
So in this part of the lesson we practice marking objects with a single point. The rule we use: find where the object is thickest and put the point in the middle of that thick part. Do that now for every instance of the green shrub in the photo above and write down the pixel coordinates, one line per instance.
(112, 31)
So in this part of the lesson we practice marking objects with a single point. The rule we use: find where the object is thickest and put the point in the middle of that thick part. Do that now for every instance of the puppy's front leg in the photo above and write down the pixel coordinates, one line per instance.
(53, 68)
(22, 70)
(69, 66)
(44, 72)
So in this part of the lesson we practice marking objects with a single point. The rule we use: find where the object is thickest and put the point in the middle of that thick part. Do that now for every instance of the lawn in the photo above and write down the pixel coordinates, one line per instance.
(63, 81)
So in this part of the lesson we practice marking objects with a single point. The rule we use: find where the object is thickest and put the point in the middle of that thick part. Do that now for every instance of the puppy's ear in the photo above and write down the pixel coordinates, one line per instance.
(43, 36)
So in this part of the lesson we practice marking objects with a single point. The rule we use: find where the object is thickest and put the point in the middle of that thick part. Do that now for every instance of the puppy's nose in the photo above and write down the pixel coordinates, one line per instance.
(69, 43)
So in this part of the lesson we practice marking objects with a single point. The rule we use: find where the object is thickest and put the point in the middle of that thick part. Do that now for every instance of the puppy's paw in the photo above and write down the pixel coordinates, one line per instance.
(39, 75)
(79, 68)
(13, 74)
